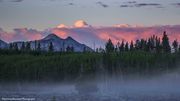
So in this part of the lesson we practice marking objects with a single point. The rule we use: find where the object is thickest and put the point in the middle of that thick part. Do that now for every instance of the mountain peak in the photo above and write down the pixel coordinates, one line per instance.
(69, 38)
(1, 41)
(51, 36)
(3, 44)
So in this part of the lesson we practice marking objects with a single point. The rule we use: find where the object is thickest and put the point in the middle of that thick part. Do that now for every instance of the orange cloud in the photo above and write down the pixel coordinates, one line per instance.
(80, 24)
(122, 25)
(60, 33)
(62, 26)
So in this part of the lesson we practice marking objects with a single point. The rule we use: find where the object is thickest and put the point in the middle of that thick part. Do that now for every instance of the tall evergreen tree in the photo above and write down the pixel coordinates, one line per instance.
(158, 45)
(109, 46)
(39, 47)
(122, 46)
(72, 49)
(131, 46)
(142, 44)
(137, 45)
(63, 49)
(23, 46)
(35, 45)
(15, 47)
(126, 47)
(149, 45)
(118, 46)
(153, 39)
(101, 50)
(175, 45)
(10, 46)
(68, 49)
(28, 46)
(51, 47)
(84, 49)
(165, 43)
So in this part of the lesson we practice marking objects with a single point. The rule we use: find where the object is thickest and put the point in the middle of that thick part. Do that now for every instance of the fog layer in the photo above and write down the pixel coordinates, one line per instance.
(162, 88)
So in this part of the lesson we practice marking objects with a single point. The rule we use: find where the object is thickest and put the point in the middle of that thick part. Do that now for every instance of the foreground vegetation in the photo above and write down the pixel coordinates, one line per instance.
(71, 66)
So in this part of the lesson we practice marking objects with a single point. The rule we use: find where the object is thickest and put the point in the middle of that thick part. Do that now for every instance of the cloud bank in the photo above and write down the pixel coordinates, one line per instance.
(102, 4)
(176, 4)
(144, 4)
(20, 34)
(84, 33)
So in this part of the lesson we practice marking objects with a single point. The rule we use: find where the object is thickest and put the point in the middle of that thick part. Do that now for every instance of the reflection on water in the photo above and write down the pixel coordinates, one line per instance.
(165, 88)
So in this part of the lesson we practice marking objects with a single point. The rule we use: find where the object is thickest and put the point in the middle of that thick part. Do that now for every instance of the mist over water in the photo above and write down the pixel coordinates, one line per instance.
(165, 87)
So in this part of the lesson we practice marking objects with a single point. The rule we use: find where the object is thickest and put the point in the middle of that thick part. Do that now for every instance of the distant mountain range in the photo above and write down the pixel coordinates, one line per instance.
(3, 44)
(59, 44)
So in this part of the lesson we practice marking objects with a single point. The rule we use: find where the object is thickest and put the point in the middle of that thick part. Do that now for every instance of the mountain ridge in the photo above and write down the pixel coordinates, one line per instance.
(59, 44)
(3, 44)
(51, 36)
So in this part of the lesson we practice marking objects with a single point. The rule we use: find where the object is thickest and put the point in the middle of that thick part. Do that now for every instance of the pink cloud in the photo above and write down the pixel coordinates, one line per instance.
(6, 36)
(21, 34)
(122, 25)
(133, 33)
(60, 32)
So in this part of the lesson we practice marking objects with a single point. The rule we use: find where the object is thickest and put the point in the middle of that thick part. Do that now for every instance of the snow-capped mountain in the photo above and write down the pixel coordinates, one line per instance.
(3, 44)
(59, 44)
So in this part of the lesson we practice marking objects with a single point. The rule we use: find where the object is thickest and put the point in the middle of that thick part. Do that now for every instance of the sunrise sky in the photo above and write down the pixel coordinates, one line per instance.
(89, 21)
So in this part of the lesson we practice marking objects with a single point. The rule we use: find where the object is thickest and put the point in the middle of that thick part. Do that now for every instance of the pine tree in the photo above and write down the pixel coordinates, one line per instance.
(15, 47)
(165, 43)
(142, 44)
(131, 46)
(122, 46)
(137, 45)
(148, 46)
(118, 46)
(39, 47)
(51, 47)
(63, 49)
(109, 46)
(175, 45)
(23, 47)
(158, 45)
(84, 49)
(72, 49)
(28, 46)
(127, 47)
(68, 49)
(10, 46)
(153, 39)
(101, 50)
(35, 45)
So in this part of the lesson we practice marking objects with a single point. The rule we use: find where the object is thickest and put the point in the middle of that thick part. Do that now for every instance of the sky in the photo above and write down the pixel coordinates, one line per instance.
(88, 21)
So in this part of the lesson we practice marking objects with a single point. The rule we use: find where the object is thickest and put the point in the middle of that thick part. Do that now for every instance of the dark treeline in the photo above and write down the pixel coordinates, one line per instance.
(144, 57)
(153, 44)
